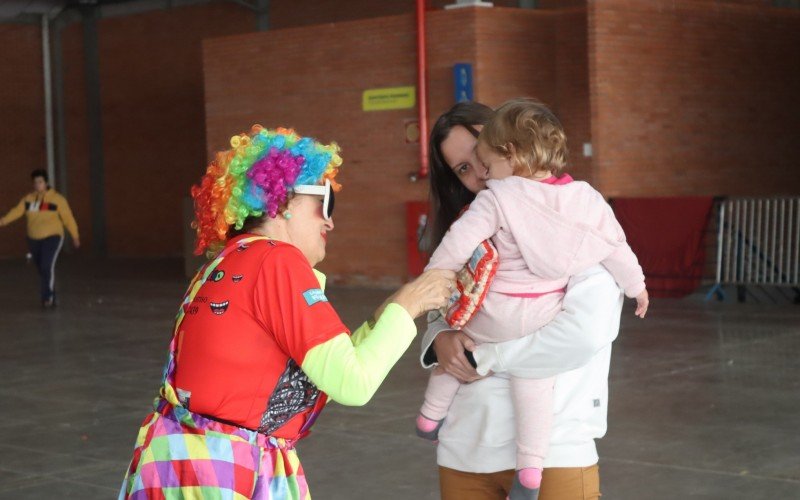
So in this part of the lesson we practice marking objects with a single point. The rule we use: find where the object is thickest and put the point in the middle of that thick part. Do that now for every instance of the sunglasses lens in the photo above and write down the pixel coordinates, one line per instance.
(331, 202)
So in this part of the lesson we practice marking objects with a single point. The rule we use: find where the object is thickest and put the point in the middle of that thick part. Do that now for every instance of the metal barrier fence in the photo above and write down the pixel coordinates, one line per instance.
(758, 242)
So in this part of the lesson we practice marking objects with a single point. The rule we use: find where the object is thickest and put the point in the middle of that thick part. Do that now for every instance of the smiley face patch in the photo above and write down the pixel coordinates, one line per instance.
(219, 308)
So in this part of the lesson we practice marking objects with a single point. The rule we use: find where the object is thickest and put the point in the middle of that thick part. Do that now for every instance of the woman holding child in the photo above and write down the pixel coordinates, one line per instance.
(477, 453)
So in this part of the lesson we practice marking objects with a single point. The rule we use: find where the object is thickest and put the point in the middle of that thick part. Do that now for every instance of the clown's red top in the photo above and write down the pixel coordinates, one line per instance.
(245, 336)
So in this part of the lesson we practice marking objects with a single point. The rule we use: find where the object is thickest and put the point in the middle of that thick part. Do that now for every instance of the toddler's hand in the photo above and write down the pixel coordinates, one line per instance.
(642, 302)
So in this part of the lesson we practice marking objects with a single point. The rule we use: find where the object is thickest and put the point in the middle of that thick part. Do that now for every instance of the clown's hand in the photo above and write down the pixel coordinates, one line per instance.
(429, 291)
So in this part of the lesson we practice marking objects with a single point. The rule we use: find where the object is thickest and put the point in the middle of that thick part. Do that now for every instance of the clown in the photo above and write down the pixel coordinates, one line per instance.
(257, 349)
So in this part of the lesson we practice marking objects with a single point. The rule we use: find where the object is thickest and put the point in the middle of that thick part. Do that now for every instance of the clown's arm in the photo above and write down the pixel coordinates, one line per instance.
(349, 373)
(349, 368)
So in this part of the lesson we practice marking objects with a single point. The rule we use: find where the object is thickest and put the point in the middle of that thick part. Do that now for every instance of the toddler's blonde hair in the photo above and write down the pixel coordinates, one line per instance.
(540, 144)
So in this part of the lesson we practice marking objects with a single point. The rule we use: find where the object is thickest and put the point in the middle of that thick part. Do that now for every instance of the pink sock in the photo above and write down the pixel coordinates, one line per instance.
(425, 424)
(530, 477)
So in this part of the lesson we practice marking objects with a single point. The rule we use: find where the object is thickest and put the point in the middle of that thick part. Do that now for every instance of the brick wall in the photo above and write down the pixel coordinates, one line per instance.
(153, 123)
(516, 55)
(572, 87)
(324, 69)
(77, 133)
(22, 140)
(677, 97)
(559, 4)
(152, 105)
(539, 53)
(694, 98)
(295, 13)
(154, 133)
(323, 72)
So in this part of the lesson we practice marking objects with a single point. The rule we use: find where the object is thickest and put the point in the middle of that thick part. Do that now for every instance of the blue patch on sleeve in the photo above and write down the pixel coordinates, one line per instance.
(314, 295)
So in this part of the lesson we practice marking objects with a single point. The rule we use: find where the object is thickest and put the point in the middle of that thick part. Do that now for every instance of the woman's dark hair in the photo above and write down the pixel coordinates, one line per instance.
(39, 173)
(447, 195)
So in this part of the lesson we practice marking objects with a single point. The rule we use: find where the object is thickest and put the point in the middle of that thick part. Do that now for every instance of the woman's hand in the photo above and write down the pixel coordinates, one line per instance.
(449, 347)
(431, 290)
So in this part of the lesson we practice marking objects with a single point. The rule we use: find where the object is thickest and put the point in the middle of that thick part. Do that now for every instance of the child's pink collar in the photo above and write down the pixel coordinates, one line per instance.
(564, 179)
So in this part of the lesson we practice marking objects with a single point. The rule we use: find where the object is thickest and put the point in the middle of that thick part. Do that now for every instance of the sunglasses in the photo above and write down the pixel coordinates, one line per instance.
(325, 190)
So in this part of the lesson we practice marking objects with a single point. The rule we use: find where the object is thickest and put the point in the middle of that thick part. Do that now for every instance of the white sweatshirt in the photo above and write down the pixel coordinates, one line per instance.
(478, 433)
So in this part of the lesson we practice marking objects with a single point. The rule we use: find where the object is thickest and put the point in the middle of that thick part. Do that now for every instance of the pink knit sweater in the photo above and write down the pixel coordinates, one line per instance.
(544, 233)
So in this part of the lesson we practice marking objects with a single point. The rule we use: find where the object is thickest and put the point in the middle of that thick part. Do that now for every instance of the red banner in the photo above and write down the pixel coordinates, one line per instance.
(667, 236)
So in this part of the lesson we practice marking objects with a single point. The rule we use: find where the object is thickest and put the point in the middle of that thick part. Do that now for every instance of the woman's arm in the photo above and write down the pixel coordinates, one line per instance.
(589, 322)
(14, 214)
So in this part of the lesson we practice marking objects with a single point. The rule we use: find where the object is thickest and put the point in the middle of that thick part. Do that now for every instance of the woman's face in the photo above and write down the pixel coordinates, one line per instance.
(39, 184)
(307, 229)
(458, 150)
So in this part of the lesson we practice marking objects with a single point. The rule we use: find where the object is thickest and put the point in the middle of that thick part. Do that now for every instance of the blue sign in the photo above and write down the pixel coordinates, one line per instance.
(462, 78)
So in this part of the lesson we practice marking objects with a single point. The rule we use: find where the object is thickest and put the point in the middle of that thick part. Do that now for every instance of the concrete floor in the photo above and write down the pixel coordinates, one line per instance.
(705, 397)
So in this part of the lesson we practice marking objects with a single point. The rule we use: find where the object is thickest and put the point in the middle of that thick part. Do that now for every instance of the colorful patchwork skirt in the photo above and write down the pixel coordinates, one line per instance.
(182, 455)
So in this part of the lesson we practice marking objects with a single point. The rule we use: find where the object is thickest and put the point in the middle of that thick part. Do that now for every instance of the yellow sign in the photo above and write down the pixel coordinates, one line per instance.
(389, 98)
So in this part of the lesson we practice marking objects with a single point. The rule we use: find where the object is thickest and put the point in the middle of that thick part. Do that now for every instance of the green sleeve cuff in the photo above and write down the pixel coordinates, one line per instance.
(351, 374)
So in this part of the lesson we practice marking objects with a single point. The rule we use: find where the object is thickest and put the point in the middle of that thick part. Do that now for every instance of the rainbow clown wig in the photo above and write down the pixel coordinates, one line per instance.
(255, 178)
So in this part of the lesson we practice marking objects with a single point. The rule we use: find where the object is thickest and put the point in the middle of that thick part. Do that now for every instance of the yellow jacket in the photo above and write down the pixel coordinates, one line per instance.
(47, 214)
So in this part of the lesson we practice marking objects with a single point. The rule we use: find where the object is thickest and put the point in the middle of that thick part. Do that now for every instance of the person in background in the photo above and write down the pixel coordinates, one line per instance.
(47, 213)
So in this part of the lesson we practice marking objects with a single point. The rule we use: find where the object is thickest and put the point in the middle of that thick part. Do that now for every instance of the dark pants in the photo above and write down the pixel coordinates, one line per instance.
(45, 252)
